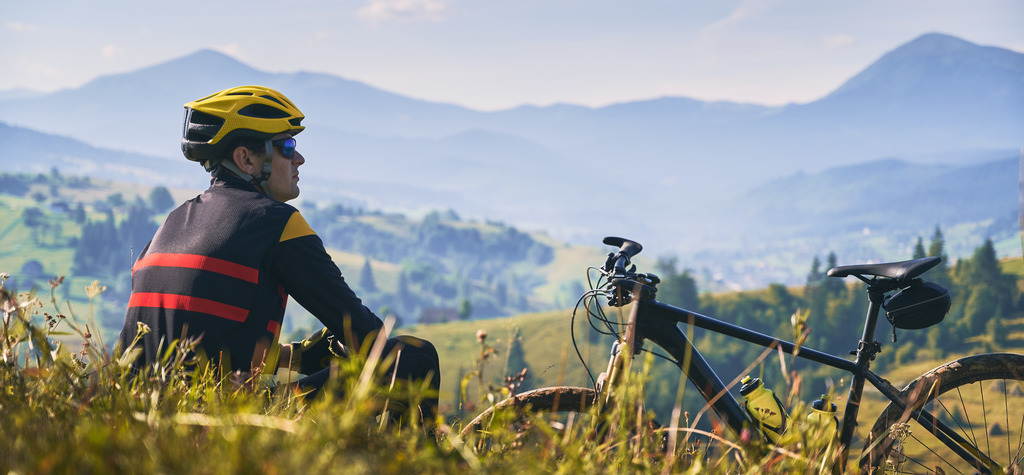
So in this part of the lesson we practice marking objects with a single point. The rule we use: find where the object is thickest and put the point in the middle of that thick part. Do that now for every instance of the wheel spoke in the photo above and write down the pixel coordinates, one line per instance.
(967, 432)
(988, 442)
(1006, 411)
(1017, 460)
(934, 453)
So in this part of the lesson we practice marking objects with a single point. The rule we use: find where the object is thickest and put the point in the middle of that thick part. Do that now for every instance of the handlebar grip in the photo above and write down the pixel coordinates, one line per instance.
(626, 247)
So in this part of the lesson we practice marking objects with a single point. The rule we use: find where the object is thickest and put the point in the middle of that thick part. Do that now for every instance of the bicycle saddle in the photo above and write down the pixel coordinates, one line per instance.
(901, 272)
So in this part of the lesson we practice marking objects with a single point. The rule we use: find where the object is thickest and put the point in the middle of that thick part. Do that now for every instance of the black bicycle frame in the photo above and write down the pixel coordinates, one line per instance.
(658, 322)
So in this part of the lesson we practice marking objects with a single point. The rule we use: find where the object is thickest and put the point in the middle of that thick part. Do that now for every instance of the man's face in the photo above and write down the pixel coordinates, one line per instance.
(284, 173)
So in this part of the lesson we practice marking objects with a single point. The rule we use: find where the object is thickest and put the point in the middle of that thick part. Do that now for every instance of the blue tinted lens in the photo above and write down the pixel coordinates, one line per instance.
(287, 147)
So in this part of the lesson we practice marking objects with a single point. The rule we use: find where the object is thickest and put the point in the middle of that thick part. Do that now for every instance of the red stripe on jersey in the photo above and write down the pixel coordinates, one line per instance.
(195, 261)
(273, 327)
(192, 304)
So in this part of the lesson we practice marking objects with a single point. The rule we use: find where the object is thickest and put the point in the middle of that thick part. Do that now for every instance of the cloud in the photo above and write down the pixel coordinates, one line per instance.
(838, 41)
(109, 51)
(19, 26)
(746, 10)
(403, 10)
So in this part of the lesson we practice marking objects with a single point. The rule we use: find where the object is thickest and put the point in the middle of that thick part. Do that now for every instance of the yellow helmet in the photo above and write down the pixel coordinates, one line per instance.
(216, 122)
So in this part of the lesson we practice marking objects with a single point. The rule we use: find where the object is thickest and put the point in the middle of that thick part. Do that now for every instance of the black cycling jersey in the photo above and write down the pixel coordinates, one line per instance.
(221, 268)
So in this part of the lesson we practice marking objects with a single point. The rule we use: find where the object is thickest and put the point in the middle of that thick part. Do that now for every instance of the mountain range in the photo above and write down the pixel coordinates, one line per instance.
(684, 174)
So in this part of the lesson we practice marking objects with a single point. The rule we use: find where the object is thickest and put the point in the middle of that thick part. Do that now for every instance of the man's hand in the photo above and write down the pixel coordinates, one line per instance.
(285, 361)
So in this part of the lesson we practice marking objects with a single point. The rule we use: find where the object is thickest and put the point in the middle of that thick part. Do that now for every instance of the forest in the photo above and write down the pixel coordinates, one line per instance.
(433, 269)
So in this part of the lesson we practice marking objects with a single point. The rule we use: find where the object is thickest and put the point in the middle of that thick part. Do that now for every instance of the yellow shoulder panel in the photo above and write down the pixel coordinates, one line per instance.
(296, 228)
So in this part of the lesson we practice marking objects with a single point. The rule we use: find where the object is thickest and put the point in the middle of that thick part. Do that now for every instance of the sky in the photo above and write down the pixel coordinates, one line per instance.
(493, 54)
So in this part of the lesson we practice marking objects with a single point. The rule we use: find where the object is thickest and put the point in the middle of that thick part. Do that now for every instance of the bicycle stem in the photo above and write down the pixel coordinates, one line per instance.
(622, 353)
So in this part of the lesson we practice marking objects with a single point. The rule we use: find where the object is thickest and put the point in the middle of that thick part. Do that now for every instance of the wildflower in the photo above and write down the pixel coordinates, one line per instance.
(481, 335)
(142, 329)
(4, 276)
(745, 436)
(54, 282)
(94, 289)
(28, 302)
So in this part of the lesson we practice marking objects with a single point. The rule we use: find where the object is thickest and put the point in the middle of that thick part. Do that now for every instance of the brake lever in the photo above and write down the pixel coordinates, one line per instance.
(609, 263)
(626, 286)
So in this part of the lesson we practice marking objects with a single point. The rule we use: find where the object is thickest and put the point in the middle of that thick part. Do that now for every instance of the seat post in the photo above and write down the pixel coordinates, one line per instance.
(867, 348)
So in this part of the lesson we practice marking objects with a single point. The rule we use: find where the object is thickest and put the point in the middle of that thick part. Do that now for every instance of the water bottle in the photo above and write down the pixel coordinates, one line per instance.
(762, 404)
(822, 418)
(824, 432)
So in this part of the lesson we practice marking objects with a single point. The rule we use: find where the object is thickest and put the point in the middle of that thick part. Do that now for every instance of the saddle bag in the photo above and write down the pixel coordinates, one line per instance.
(921, 305)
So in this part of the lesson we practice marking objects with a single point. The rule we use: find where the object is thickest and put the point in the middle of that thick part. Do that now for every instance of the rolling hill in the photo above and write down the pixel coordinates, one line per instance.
(693, 178)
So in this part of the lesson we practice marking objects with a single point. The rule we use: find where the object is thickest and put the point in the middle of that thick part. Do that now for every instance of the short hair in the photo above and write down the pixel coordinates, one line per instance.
(256, 146)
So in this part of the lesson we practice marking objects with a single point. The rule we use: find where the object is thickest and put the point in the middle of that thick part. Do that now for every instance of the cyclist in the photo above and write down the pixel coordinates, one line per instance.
(221, 267)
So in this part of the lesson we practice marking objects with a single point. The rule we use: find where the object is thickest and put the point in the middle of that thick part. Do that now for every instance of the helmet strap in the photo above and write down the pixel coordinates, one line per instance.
(261, 181)
(264, 177)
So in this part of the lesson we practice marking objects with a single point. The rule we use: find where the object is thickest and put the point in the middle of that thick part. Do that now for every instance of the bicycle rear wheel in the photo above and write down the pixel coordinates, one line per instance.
(979, 397)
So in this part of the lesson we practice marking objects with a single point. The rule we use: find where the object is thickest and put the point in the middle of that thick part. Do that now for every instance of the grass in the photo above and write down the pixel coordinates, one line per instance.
(68, 405)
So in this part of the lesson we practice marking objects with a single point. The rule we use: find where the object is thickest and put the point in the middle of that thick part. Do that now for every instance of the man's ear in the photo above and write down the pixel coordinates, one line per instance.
(245, 160)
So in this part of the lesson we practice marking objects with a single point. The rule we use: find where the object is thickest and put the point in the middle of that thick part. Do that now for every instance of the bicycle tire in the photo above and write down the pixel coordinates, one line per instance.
(952, 393)
(557, 398)
(566, 411)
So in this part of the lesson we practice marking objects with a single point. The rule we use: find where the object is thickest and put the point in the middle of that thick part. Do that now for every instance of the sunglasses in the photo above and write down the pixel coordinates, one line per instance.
(287, 147)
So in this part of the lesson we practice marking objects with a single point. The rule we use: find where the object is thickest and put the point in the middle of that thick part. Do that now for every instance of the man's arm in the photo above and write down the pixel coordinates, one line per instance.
(311, 277)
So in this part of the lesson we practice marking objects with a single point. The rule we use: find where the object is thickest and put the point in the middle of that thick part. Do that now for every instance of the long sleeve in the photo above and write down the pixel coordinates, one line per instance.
(308, 274)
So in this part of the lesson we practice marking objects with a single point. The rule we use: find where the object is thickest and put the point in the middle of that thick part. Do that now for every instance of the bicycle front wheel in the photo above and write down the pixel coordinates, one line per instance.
(981, 398)
(559, 399)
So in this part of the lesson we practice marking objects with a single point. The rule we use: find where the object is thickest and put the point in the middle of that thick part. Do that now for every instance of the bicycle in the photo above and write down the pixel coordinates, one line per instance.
(918, 428)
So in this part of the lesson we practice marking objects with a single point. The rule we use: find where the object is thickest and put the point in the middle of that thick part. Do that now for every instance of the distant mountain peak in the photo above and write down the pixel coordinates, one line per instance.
(936, 39)
(934, 42)
(917, 64)
(205, 58)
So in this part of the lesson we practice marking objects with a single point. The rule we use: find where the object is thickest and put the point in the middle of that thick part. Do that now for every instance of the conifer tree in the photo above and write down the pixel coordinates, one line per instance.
(815, 275)
(816, 297)
(403, 294)
(517, 357)
(939, 274)
(366, 280)
(465, 309)
(835, 287)
(919, 250)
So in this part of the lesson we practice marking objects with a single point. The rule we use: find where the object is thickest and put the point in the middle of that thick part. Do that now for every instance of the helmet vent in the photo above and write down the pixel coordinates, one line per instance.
(272, 98)
(296, 121)
(199, 117)
(262, 111)
(201, 127)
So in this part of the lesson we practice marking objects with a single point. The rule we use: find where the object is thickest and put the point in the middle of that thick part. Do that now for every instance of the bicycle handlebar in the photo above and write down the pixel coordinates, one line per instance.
(617, 262)
(624, 285)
